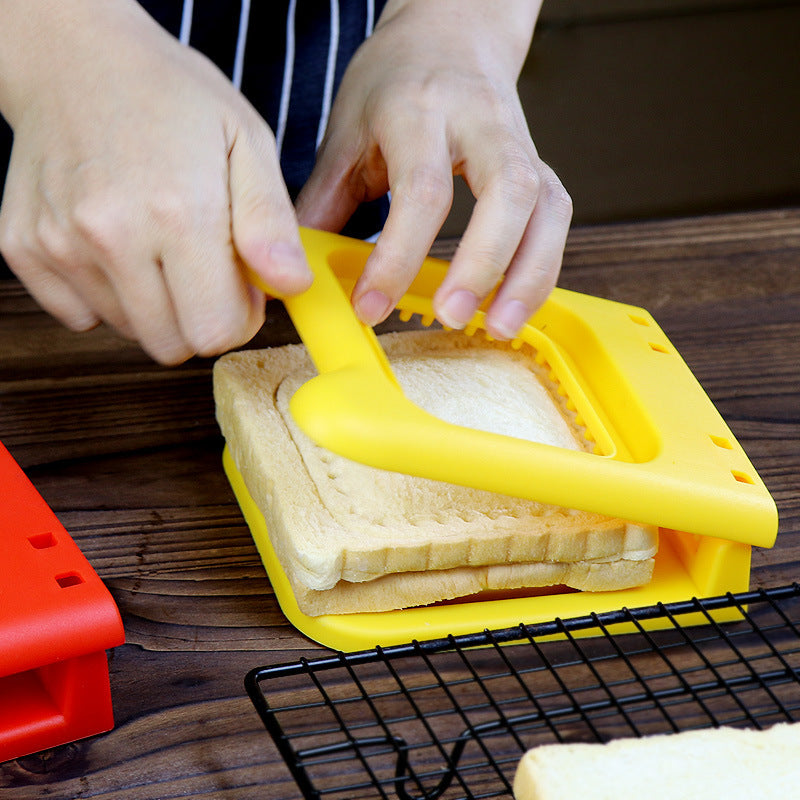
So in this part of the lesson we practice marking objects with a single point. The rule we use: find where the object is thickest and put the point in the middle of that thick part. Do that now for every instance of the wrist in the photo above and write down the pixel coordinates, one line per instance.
(507, 24)
(42, 41)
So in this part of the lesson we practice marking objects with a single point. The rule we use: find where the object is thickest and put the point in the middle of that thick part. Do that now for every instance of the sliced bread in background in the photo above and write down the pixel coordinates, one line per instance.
(709, 764)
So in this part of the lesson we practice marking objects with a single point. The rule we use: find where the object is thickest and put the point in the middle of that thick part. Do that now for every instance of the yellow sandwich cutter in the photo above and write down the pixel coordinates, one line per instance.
(661, 452)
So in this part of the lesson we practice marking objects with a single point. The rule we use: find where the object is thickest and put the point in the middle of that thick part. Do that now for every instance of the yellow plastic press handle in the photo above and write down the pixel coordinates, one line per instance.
(668, 458)
(324, 315)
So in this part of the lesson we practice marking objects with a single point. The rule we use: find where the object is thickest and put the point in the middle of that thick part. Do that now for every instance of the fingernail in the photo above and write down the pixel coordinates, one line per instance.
(289, 261)
(457, 309)
(509, 319)
(373, 307)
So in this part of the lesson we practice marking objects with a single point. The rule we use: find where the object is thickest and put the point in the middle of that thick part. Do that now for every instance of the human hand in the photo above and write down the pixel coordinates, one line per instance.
(432, 94)
(141, 182)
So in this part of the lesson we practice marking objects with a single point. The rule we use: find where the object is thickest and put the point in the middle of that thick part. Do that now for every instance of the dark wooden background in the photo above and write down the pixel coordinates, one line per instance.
(656, 108)
(127, 454)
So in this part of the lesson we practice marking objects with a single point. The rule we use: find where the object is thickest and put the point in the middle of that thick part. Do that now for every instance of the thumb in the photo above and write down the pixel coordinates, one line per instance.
(263, 222)
(327, 200)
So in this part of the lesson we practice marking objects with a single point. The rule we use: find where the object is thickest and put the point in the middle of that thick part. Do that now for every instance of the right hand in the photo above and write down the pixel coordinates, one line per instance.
(140, 183)
(433, 93)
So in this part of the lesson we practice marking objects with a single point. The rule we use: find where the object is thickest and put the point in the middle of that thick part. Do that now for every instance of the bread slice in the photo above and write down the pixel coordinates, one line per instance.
(354, 538)
(709, 764)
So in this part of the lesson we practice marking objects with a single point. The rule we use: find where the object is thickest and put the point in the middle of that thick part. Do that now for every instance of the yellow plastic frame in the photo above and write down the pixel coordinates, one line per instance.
(662, 453)
(685, 567)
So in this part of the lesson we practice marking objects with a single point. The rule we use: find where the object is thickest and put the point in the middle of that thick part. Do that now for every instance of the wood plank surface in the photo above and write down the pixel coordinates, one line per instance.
(127, 454)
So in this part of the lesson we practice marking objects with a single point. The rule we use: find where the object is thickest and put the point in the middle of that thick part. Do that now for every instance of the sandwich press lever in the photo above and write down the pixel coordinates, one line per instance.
(662, 454)
(658, 451)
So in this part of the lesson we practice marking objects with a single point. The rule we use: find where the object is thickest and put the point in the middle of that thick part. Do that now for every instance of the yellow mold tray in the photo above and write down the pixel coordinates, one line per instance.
(662, 454)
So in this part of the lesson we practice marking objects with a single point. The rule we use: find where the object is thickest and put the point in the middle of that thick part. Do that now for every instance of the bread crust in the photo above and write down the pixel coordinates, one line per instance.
(354, 538)
(709, 764)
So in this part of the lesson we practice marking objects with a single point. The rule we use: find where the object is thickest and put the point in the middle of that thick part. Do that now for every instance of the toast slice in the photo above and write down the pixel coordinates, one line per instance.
(353, 538)
(710, 764)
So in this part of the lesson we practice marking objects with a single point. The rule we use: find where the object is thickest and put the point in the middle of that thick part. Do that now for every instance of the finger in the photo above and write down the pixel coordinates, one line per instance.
(114, 268)
(120, 241)
(84, 279)
(30, 264)
(534, 270)
(263, 221)
(215, 308)
(505, 182)
(421, 182)
(147, 308)
(89, 282)
(61, 261)
(329, 197)
(54, 294)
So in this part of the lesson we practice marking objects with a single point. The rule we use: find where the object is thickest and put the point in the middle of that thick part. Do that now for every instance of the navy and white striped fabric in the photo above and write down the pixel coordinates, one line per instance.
(287, 57)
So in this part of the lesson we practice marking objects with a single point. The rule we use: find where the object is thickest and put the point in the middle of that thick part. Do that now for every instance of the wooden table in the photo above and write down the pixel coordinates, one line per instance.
(127, 454)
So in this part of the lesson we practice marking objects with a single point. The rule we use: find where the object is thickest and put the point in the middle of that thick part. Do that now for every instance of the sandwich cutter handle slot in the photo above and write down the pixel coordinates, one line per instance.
(663, 455)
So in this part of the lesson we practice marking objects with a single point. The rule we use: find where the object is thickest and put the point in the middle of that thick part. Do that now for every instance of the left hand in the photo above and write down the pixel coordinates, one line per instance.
(431, 94)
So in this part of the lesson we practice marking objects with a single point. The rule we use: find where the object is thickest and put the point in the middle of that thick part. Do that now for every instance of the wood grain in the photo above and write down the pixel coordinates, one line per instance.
(127, 454)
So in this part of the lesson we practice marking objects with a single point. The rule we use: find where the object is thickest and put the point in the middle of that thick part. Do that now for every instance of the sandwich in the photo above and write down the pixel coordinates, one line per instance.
(352, 538)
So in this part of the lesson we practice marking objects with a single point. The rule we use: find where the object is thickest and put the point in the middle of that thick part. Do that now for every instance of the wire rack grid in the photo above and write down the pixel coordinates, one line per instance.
(450, 718)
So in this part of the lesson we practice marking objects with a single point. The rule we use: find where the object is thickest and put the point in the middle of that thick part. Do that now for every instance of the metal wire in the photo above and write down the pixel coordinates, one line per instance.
(449, 719)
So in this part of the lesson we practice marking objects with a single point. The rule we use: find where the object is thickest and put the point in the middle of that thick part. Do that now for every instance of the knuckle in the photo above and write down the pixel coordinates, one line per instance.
(20, 254)
(253, 202)
(12, 245)
(493, 266)
(171, 353)
(177, 214)
(78, 318)
(406, 91)
(557, 198)
(210, 341)
(53, 240)
(489, 265)
(102, 224)
(163, 343)
(521, 180)
(429, 188)
(215, 335)
(168, 209)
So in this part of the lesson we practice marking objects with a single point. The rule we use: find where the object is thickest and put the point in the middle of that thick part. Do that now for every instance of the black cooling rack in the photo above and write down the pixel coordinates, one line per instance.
(451, 718)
